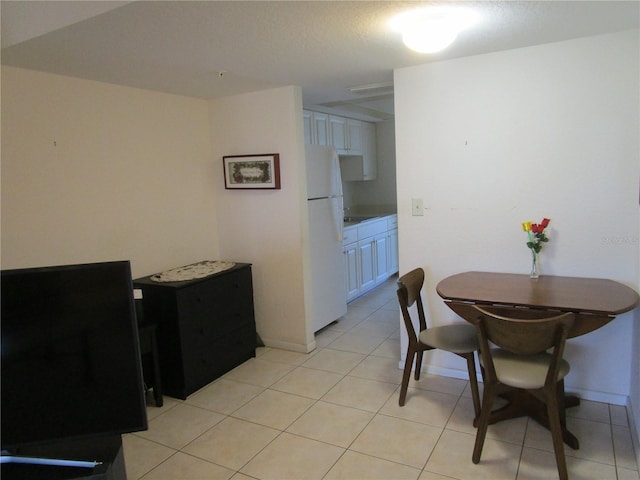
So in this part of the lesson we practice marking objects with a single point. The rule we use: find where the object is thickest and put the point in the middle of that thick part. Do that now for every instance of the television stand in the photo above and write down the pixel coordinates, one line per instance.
(97, 459)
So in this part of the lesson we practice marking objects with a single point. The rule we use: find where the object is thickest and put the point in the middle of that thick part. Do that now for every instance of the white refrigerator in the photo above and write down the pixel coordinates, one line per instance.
(326, 214)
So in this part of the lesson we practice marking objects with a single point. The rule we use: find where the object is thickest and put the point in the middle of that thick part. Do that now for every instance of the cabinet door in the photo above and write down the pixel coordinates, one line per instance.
(309, 133)
(339, 133)
(354, 136)
(366, 251)
(350, 255)
(361, 166)
(369, 152)
(392, 245)
(381, 272)
(321, 128)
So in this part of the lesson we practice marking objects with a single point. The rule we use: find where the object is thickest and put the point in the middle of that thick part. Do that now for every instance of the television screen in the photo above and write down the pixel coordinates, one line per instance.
(70, 354)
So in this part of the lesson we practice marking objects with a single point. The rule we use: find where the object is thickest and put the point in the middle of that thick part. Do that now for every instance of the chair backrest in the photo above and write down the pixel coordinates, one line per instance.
(409, 287)
(524, 336)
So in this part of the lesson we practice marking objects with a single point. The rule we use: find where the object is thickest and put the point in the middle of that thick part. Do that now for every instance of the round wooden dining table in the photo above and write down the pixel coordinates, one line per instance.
(594, 302)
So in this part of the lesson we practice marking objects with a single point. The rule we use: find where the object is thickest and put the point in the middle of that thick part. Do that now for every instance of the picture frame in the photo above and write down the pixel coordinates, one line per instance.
(252, 172)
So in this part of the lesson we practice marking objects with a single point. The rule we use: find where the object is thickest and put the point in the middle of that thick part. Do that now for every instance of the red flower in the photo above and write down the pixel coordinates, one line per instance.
(536, 235)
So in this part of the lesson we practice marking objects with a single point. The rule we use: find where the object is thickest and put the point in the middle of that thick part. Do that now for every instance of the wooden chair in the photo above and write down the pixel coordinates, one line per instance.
(521, 361)
(460, 339)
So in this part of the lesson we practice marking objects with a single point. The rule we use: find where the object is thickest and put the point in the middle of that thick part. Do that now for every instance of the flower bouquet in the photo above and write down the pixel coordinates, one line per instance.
(537, 237)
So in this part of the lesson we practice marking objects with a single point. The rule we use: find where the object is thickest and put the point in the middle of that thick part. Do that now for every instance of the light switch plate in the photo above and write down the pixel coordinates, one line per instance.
(417, 207)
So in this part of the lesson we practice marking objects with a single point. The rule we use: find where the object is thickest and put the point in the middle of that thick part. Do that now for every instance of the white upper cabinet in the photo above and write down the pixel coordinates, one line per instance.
(364, 166)
(346, 134)
(338, 127)
(369, 152)
(354, 133)
(309, 130)
(354, 140)
(316, 128)
(321, 128)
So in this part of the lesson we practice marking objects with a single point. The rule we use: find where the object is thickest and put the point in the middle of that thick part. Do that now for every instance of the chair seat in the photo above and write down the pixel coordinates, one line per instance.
(456, 338)
(528, 372)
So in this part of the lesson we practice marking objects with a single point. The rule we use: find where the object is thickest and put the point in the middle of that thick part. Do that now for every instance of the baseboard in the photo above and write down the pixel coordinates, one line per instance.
(602, 397)
(446, 372)
(591, 395)
(293, 347)
(632, 417)
(443, 372)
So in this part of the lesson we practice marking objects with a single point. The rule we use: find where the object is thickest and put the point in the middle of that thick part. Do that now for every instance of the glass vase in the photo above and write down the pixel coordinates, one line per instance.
(534, 265)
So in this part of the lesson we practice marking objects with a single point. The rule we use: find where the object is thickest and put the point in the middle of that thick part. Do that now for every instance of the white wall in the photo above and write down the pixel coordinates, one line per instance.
(494, 140)
(266, 227)
(95, 172)
(634, 397)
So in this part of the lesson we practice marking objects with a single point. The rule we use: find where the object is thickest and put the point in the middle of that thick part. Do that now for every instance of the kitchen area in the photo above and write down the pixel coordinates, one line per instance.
(369, 238)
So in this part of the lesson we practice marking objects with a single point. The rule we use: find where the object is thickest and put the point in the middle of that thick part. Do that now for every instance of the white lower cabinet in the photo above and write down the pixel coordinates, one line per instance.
(370, 253)
(367, 254)
(382, 250)
(350, 253)
(392, 245)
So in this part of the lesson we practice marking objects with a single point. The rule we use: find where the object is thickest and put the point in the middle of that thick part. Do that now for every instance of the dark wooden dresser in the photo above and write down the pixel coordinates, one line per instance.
(206, 327)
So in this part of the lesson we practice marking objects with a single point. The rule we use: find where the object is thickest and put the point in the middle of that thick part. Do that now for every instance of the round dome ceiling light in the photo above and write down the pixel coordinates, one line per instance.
(432, 29)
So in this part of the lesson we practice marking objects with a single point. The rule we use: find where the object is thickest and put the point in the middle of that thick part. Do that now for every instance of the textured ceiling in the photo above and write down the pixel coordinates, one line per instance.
(325, 47)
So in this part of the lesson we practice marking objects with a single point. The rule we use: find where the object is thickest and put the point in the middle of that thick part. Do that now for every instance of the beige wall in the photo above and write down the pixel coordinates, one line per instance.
(494, 140)
(96, 172)
(266, 227)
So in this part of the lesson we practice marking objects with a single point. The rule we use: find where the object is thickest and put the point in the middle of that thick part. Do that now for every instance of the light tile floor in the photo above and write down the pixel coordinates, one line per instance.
(334, 414)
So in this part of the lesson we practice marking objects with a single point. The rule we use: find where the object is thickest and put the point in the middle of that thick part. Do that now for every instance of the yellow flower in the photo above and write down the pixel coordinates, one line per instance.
(526, 226)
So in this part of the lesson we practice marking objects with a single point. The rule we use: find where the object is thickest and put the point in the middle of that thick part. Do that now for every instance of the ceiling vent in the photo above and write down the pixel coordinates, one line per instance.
(373, 89)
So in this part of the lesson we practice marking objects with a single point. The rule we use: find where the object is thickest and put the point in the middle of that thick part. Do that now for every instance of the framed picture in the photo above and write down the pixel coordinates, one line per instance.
(250, 172)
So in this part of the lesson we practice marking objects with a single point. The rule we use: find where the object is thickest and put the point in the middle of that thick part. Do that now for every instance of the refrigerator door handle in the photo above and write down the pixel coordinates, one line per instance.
(337, 174)
(338, 217)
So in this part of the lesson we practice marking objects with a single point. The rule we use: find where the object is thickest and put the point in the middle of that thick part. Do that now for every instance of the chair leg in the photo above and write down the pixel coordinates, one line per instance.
(483, 422)
(561, 403)
(553, 413)
(473, 383)
(405, 376)
(418, 364)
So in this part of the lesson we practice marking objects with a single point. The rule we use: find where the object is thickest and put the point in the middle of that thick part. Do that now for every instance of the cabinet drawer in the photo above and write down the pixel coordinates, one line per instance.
(369, 229)
(350, 235)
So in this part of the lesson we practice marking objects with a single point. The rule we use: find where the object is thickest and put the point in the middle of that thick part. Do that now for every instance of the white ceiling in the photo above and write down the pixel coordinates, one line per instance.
(325, 47)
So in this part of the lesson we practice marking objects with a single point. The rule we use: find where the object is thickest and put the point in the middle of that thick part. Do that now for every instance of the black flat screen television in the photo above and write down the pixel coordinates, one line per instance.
(70, 355)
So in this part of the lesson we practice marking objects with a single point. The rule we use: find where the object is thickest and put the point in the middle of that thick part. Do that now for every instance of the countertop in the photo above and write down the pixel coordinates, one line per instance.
(357, 219)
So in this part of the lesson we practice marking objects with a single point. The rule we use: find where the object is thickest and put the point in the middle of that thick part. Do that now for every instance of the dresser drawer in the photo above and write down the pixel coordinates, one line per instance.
(205, 363)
